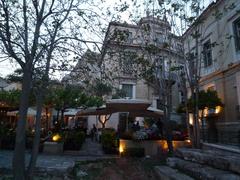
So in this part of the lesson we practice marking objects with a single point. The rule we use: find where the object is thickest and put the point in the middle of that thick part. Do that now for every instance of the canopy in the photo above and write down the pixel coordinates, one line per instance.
(136, 108)
(71, 112)
(30, 112)
(127, 105)
(94, 111)
(150, 112)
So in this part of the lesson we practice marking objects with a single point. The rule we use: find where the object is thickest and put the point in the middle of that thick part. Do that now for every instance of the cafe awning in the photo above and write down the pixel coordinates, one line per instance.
(127, 105)
(136, 108)
(94, 111)
(30, 112)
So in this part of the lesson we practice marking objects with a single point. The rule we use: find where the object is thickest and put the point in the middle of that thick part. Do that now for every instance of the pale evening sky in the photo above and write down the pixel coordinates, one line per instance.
(7, 67)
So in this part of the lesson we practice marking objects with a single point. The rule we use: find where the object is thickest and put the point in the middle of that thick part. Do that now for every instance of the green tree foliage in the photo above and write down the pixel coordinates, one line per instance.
(101, 88)
(207, 99)
(11, 98)
(94, 101)
(16, 76)
(71, 97)
(119, 93)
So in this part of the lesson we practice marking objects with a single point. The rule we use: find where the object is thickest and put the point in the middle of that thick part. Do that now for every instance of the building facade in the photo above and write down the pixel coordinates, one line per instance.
(219, 43)
(125, 45)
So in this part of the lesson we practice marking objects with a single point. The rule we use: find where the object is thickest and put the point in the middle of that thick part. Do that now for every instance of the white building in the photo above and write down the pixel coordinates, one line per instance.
(219, 47)
(125, 43)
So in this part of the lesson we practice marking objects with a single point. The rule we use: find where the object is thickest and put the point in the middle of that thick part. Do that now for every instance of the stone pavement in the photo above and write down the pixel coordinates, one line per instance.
(50, 162)
(60, 163)
(91, 148)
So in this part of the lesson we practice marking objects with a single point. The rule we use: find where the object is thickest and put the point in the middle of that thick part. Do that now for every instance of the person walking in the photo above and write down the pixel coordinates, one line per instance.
(93, 133)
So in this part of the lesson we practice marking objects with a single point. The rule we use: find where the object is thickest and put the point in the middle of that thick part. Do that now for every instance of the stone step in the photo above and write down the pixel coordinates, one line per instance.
(200, 171)
(168, 173)
(222, 149)
(211, 158)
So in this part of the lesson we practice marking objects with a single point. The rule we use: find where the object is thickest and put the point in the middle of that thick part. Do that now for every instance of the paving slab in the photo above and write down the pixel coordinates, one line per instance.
(46, 162)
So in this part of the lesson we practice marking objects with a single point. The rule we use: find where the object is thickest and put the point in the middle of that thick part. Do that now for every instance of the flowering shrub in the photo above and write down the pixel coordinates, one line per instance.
(140, 135)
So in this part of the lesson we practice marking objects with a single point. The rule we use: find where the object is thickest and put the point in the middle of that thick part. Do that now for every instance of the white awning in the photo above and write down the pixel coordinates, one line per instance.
(30, 112)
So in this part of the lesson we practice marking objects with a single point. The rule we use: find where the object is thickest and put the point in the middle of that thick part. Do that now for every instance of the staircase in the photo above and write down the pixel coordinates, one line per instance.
(200, 164)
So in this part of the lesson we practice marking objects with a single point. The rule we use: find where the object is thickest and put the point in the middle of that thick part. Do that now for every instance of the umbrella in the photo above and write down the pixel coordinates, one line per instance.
(30, 112)
(71, 112)
(127, 105)
(150, 112)
(94, 111)
(136, 108)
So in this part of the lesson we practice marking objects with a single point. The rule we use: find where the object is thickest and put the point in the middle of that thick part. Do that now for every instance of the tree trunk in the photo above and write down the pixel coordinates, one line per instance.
(168, 129)
(169, 138)
(19, 151)
(62, 118)
(168, 118)
(102, 123)
(198, 143)
(203, 134)
(46, 109)
(196, 129)
(58, 115)
(36, 141)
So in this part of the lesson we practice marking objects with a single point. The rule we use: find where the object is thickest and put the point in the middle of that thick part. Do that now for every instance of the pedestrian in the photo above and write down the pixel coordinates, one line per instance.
(93, 132)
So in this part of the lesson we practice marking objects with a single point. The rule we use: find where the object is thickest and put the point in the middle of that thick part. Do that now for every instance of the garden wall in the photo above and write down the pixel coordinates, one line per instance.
(151, 147)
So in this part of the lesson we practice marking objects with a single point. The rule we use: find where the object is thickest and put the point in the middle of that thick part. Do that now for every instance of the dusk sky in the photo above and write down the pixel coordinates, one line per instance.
(7, 67)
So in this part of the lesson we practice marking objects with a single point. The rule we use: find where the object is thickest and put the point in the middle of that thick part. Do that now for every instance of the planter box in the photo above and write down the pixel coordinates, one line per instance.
(151, 147)
(52, 147)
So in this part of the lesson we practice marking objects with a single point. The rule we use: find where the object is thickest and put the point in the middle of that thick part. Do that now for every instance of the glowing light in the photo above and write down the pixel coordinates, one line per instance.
(188, 141)
(218, 109)
(205, 112)
(190, 119)
(103, 118)
(121, 149)
(56, 137)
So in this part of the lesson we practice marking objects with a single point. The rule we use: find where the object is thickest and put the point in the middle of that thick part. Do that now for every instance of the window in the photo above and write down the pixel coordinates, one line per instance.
(122, 36)
(159, 38)
(179, 47)
(128, 89)
(207, 54)
(127, 62)
(236, 26)
(181, 97)
(129, 37)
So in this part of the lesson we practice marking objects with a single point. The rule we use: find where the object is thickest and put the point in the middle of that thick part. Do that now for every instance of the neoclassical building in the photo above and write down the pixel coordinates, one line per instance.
(125, 43)
(219, 47)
